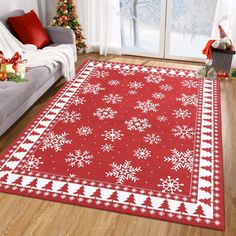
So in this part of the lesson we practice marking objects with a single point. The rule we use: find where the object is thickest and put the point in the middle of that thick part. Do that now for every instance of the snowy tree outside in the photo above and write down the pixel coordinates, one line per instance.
(190, 26)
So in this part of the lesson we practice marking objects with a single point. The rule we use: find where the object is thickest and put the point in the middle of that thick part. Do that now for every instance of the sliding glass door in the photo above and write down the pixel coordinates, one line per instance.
(173, 29)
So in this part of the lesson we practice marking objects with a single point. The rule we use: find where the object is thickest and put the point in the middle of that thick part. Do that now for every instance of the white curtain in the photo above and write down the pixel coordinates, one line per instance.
(100, 20)
(226, 17)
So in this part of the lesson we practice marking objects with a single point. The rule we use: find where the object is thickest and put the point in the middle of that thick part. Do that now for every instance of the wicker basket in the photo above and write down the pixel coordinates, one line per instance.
(222, 59)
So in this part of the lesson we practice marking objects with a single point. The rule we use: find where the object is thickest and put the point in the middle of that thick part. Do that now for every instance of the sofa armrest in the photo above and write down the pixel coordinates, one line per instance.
(61, 35)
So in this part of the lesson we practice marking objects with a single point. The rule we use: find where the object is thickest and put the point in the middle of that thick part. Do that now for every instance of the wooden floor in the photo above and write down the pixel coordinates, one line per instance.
(23, 216)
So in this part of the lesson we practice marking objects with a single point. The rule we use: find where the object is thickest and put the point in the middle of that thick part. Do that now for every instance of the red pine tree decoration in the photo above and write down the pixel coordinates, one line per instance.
(147, 202)
(18, 181)
(33, 183)
(165, 205)
(49, 185)
(114, 196)
(131, 199)
(64, 188)
(97, 194)
(80, 191)
(182, 208)
(199, 211)
(206, 189)
(4, 178)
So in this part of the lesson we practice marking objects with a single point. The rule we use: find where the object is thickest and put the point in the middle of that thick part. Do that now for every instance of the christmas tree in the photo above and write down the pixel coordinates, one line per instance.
(66, 17)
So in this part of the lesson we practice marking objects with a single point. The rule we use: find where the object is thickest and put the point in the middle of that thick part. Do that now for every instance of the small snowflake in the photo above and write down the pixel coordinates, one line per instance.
(183, 132)
(188, 99)
(132, 92)
(84, 131)
(181, 113)
(124, 172)
(147, 106)
(154, 79)
(71, 117)
(54, 141)
(107, 147)
(180, 160)
(162, 118)
(126, 72)
(92, 88)
(137, 124)
(100, 74)
(166, 87)
(190, 83)
(79, 158)
(105, 113)
(33, 163)
(135, 85)
(112, 98)
(158, 95)
(112, 135)
(152, 139)
(142, 153)
(170, 185)
(114, 82)
(78, 100)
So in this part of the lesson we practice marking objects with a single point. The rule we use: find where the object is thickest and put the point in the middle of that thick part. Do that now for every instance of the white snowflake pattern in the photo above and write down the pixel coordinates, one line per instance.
(33, 163)
(147, 106)
(170, 185)
(105, 113)
(92, 88)
(107, 147)
(158, 95)
(126, 72)
(190, 83)
(71, 117)
(112, 135)
(162, 118)
(180, 160)
(100, 74)
(124, 172)
(84, 131)
(152, 139)
(135, 85)
(166, 87)
(112, 98)
(114, 82)
(79, 158)
(55, 141)
(78, 100)
(138, 124)
(181, 113)
(132, 92)
(188, 99)
(154, 79)
(183, 132)
(142, 153)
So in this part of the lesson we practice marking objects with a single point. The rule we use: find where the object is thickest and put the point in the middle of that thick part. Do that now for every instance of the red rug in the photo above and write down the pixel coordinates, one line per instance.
(133, 139)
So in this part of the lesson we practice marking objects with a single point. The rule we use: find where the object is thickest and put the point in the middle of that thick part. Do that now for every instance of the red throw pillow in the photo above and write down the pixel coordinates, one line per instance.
(29, 30)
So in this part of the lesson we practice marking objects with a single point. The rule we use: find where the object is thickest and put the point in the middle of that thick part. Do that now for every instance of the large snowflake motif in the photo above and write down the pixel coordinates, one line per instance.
(188, 99)
(78, 100)
(137, 124)
(190, 83)
(183, 132)
(71, 117)
(105, 113)
(142, 153)
(114, 82)
(112, 98)
(166, 87)
(152, 139)
(147, 106)
(79, 158)
(55, 141)
(124, 172)
(127, 72)
(158, 95)
(180, 160)
(92, 88)
(181, 113)
(154, 79)
(112, 135)
(33, 163)
(135, 85)
(107, 147)
(84, 131)
(100, 74)
(170, 185)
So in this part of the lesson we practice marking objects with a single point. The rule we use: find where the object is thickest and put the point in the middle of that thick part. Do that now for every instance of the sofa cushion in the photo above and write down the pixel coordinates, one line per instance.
(13, 94)
(29, 30)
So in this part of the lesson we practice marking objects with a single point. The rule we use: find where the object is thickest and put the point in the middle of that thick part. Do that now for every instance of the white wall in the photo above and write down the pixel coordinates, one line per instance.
(7, 6)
